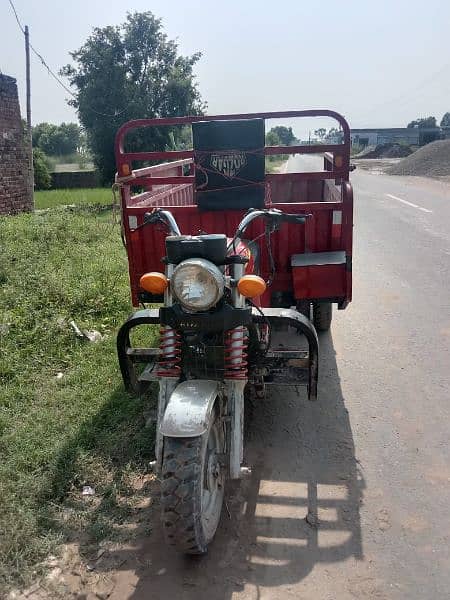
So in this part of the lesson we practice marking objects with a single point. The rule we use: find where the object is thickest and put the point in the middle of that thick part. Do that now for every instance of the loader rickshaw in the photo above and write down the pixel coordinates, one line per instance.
(221, 254)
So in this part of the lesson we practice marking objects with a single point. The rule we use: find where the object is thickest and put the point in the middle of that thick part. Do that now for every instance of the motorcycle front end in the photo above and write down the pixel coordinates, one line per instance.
(213, 341)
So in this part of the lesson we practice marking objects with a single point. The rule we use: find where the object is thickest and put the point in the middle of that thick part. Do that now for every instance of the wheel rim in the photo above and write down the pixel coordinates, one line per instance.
(213, 482)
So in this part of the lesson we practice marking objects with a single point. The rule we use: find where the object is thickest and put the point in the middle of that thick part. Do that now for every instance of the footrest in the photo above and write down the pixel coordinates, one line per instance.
(143, 355)
(276, 359)
(287, 367)
(149, 373)
(291, 376)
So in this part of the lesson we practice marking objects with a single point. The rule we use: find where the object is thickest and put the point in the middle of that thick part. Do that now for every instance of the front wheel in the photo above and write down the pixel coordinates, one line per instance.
(192, 488)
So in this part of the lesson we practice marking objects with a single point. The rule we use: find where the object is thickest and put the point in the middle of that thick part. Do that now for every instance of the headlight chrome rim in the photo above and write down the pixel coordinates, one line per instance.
(205, 288)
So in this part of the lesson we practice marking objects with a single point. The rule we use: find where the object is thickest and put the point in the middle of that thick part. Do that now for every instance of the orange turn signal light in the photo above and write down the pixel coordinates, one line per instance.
(251, 286)
(155, 283)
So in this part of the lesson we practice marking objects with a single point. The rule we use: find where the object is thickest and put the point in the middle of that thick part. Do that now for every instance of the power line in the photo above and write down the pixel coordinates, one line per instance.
(17, 17)
(411, 93)
(55, 77)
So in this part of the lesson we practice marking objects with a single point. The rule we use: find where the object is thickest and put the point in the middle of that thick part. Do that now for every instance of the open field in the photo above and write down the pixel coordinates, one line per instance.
(81, 196)
(274, 163)
(65, 419)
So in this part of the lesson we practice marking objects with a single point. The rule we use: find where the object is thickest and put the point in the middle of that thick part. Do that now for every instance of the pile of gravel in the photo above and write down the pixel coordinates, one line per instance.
(432, 160)
(386, 151)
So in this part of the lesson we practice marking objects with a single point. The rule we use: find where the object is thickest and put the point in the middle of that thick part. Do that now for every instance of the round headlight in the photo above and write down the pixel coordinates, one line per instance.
(197, 283)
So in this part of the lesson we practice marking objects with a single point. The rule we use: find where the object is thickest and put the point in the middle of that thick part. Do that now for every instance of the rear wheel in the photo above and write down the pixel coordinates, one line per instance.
(322, 315)
(192, 489)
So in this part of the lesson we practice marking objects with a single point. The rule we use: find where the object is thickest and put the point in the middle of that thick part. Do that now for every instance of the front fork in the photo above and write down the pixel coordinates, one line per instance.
(235, 380)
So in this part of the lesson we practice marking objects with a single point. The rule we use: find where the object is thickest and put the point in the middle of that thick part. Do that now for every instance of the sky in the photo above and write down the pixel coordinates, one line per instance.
(380, 63)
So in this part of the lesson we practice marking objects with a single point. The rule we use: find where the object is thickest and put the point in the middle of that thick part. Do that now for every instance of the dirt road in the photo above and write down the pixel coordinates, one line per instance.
(349, 497)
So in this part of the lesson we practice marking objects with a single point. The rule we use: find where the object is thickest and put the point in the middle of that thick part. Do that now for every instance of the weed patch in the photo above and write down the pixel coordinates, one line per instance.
(65, 419)
(81, 196)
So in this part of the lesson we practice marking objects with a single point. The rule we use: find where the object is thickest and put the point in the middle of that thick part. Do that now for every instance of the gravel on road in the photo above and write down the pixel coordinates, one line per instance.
(432, 160)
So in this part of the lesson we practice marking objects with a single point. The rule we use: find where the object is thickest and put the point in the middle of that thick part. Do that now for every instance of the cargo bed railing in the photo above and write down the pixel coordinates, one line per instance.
(340, 165)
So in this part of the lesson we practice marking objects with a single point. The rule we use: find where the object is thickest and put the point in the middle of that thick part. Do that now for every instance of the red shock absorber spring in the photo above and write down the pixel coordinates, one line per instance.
(235, 355)
(169, 364)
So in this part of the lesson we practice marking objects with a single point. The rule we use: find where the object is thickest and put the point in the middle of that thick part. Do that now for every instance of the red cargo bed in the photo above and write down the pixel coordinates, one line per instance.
(313, 261)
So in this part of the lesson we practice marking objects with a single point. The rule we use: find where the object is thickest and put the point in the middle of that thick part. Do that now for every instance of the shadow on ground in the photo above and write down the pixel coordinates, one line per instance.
(110, 453)
(299, 508)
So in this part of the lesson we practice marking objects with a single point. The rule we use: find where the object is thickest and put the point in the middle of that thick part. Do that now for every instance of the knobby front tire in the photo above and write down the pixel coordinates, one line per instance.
(192, 489)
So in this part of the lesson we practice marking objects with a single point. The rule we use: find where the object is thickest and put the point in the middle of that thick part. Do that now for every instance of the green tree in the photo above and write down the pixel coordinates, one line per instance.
(320, 133)
(334, 135)
(127, 72)
(56, 140)
(272, 138)
(284, 135)
(445, 121)
(42, 177)
(423, 122)
(39, 130)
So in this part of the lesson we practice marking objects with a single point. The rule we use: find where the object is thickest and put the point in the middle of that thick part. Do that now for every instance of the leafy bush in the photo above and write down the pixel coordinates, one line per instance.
(42, 177)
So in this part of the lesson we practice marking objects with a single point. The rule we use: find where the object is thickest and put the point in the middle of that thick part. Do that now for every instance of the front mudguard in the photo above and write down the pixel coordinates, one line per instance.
(188, 413)
(188, 410)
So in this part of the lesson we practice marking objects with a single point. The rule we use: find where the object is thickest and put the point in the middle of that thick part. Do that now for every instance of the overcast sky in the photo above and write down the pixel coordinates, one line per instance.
(381, 63)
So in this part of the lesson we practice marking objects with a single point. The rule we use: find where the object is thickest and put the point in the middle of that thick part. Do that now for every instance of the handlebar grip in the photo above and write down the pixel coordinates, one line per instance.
(295, 218)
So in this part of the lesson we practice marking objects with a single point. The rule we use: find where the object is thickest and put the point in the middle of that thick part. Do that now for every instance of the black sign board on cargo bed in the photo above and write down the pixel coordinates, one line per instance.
(229, 164)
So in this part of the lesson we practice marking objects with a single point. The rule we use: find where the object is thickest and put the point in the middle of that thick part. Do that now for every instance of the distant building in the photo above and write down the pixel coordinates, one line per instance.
(413, 136)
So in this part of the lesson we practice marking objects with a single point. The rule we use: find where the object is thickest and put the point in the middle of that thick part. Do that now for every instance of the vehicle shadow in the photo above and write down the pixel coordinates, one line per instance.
(300, 507)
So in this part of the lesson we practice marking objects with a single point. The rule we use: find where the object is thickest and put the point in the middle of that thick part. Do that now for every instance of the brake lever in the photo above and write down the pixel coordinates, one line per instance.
(299, 219)
(163, 217)
(150, 219)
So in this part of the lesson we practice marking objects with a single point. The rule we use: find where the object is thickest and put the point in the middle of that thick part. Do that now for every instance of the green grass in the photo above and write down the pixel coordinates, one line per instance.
(273, 163)
(58, 434)
(81, 196)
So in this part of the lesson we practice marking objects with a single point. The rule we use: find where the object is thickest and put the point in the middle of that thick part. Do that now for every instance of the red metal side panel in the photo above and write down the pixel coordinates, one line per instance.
(324, 281)
(326, 203)
(146, 247)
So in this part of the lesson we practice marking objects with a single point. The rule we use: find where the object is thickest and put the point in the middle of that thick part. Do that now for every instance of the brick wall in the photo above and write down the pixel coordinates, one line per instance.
(16, 183)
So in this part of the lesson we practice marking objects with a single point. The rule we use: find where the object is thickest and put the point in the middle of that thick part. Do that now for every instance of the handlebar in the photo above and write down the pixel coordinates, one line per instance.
(162, 216)
(273, 217)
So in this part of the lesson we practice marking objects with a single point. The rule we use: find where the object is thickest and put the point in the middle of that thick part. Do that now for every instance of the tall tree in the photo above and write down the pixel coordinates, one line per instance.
(284, 134)
(423, 122)
(127, 72)
(445, 121)
(272, 139)
(56, 139)
(320, 133)
(334, 134)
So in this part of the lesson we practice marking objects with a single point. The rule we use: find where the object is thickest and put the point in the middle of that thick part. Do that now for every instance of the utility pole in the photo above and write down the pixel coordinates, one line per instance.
(27, 57)
(30, 143)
